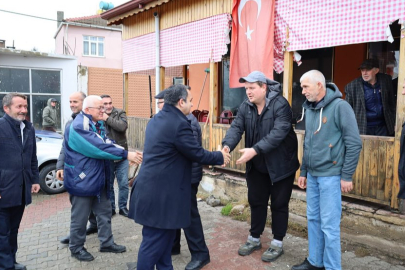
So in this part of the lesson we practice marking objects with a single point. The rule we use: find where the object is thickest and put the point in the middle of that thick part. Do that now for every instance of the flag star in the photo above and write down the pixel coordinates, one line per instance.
(249, 33)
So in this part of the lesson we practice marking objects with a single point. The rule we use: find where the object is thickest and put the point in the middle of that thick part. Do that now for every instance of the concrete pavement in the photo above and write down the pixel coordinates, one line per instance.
(47, 219)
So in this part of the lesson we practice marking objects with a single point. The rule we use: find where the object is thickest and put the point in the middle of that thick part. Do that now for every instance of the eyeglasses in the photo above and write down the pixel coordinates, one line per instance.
(98, 108)
(160, 102)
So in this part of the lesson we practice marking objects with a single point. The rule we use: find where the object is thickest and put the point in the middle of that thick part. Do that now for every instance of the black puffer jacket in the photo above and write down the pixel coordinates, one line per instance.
(278, 141)
(196, 170)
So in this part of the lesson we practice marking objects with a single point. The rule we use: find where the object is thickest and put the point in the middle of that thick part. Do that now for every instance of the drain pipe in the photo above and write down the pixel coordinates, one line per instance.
(157, 71)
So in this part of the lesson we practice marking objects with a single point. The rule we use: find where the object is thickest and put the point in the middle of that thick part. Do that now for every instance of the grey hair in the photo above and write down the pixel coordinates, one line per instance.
(175, 93)
(314, 76)
(8, 99)
(89, 101)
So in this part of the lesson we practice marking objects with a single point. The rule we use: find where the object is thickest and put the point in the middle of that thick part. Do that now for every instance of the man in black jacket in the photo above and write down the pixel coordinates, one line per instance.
(200, 255)
(271, 157)
(116, 124)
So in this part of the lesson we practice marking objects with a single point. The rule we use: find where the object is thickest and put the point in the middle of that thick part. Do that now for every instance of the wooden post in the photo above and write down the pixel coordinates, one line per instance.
(185, 75)
(400, 118)
(288, 70)
(126, 92)
(288, 76)
(213, 112)
(162, 78)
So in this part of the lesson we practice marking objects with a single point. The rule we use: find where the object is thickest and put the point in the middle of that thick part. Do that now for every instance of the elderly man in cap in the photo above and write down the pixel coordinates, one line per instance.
(271, 157)
(373, 100)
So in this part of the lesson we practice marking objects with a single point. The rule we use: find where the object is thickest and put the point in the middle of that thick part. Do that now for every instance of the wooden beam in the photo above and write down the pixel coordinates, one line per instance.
(213, 112)
(126, 93)
(400, 118)
(185, 82)
(288, 75)
(162, 78)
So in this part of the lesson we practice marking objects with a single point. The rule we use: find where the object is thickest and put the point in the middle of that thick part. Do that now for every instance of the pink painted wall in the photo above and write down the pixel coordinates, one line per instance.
(112, 46)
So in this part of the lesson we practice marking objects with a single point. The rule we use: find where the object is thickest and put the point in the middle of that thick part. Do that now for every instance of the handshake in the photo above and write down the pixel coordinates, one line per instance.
(135, 157)
(247, 154)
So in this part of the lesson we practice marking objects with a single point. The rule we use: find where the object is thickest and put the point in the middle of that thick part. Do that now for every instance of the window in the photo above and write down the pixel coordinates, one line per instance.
(231, 97)
(93, 46)
(38, 85)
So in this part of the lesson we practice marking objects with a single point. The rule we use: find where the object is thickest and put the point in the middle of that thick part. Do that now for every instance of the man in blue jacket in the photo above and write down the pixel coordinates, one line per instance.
(271, 157)
(200, 255)
(160, 199)
(19, 175)
(331, 151)
(86, 173)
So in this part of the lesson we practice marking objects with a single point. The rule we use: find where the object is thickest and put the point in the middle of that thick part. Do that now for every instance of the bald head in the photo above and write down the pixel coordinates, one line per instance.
(76, 101)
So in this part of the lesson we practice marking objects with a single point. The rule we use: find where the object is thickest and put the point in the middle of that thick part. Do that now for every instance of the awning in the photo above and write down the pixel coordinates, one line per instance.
(191, 43)
(328, 23)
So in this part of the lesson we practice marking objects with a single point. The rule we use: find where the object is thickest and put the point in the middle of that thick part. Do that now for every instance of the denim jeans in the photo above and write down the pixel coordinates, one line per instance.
(119, 170)
(324, 209)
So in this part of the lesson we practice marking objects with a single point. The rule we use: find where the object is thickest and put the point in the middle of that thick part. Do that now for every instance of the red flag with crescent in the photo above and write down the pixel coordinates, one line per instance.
(252, 39)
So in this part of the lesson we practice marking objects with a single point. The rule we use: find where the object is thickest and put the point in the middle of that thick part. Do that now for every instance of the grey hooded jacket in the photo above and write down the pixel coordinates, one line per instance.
(49, 115)
(332, 141)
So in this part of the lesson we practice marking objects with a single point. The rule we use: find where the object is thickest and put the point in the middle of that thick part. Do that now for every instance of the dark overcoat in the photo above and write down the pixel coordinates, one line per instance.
(160, 196)
(18, 162)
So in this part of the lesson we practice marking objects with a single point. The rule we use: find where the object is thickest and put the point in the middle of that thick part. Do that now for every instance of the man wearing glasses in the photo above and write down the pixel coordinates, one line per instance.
(87, 175)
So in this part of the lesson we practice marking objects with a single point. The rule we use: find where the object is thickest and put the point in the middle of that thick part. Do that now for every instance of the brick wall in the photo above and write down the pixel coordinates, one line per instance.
(107, 81)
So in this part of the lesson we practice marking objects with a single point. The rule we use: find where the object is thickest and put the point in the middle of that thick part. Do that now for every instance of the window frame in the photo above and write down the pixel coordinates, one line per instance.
(99, 41)
(30, 94)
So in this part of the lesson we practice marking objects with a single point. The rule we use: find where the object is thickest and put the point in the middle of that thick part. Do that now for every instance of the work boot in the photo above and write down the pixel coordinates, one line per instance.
(272, 253)
(249, 247)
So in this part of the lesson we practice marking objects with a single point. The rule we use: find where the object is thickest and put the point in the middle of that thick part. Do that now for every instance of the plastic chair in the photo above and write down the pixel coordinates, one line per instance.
(226, 117)
(196, 113)
(203, 116)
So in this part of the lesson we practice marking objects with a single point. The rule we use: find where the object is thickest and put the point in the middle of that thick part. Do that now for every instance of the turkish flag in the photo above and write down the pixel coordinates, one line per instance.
(252, 39)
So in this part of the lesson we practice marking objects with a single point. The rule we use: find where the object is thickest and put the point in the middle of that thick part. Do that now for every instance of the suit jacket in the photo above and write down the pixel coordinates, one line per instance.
(160, 196)
(18, 164)
(355, 96)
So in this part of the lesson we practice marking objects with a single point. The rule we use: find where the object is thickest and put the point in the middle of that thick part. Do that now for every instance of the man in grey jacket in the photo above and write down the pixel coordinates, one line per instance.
(49, 116)
(331, 151)
(116, 124)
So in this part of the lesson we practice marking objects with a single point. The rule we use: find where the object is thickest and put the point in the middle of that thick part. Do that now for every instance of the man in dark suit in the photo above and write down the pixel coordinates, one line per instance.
(200, 255)
(160, 198)
(373, 100)
(19, 175)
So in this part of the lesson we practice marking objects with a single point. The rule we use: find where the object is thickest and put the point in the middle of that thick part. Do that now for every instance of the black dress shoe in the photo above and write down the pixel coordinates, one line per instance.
(19, 266)
(197, 264)
(306, 266)
(114, 248)
(83, 255)
(91, 230)
(123, 212)
(113, 212)
(65, 240)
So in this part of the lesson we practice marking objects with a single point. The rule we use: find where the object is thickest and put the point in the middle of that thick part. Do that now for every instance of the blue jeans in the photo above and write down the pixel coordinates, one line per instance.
(324, 209)
(119, 170)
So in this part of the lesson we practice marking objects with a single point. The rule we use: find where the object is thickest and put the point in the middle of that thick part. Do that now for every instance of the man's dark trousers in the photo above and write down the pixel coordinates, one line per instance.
(156, 249)
(10, 219)
(260, 189)
(194, 233)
